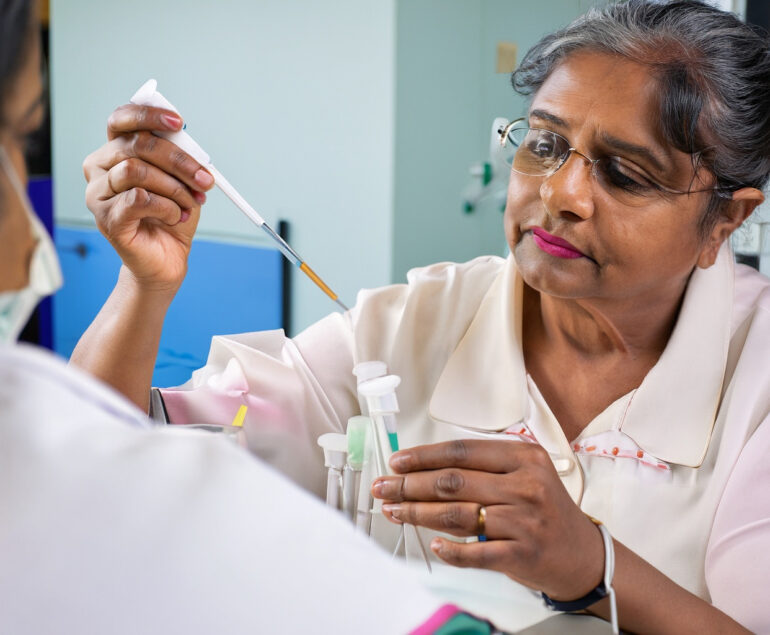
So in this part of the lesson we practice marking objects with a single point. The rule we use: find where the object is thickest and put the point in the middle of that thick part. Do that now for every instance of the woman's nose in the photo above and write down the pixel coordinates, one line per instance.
(568, 192)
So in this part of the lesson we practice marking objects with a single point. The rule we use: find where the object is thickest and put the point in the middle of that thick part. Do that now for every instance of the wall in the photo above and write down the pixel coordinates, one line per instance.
(291, 98)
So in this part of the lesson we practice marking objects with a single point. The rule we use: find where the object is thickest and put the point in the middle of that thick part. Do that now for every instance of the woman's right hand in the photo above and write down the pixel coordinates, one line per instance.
(146, 195)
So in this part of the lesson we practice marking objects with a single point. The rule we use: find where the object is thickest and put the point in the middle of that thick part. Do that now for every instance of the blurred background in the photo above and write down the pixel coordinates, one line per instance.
(361, 127)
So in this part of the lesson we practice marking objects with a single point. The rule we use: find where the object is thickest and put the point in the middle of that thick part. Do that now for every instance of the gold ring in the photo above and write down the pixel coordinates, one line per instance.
(481, 522)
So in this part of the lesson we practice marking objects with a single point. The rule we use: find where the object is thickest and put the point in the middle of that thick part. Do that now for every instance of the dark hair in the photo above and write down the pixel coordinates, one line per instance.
(714, 75)
(15, 31)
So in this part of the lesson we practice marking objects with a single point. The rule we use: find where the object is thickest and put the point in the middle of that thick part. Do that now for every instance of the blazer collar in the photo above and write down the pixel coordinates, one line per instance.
(483, 385)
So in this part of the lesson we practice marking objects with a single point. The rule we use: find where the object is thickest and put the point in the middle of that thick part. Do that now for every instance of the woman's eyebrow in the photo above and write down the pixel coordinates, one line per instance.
(547, 116)
(632, 148)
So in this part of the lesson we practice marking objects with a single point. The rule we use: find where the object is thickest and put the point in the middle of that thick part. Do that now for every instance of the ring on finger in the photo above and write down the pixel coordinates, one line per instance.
(481, 524)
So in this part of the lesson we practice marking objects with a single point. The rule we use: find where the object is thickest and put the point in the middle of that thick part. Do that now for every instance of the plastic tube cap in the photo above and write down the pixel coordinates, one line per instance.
(380, 394)
(369, 370)
(358, 429)
(335, 447)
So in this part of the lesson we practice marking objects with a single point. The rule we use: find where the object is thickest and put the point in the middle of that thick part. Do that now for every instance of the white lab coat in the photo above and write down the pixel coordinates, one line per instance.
(675, 468)
(109, 526)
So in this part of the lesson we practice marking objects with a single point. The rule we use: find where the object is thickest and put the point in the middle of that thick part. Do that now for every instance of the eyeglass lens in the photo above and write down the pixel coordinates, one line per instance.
(537, 152)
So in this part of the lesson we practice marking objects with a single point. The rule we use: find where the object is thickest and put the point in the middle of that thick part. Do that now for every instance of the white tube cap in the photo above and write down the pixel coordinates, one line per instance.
(369, 370)
(335, 447)
(380, 394)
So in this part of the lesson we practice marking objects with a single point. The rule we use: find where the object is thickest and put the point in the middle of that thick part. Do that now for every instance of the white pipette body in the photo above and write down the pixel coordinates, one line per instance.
(148, 95)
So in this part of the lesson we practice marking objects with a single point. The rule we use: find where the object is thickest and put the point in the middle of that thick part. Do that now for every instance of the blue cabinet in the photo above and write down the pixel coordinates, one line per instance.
(229, 289)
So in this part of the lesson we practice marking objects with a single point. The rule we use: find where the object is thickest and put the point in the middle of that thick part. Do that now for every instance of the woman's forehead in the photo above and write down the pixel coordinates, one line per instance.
(604, 90)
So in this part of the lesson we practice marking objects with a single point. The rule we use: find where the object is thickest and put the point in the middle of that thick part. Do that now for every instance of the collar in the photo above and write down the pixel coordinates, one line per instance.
(483, 385)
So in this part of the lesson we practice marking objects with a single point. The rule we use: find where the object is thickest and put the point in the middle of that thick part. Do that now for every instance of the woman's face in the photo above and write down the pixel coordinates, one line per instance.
(604, 106)
(23, 113)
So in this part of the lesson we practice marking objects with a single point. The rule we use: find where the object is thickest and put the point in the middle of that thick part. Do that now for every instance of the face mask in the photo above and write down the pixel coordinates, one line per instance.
(45, 277)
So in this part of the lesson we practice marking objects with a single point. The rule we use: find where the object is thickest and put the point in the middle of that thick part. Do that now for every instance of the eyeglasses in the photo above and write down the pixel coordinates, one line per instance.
(539, 152)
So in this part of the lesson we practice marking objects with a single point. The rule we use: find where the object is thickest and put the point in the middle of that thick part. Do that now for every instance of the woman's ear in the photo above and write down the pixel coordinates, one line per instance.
(742, 204)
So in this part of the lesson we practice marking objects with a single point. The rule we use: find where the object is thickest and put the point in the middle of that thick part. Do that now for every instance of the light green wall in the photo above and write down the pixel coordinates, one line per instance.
(447, 95)
(291, 98)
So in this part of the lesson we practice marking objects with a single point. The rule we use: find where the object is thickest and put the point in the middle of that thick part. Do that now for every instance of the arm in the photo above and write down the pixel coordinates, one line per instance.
(146, 195)
(536, 534)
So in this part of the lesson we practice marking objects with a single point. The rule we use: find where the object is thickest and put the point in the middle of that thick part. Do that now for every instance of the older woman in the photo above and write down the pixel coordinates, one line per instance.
(619, 342)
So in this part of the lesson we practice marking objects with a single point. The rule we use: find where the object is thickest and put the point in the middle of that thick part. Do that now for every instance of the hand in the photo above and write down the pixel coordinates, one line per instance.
(536, 534)
(146, 194)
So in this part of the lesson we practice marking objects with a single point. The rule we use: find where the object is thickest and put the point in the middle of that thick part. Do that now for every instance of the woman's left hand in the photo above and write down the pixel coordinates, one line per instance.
(535, 532)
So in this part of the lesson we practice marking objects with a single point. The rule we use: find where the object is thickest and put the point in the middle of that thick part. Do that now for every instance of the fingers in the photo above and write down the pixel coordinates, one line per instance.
(445, 485)
(133, 118)
(457, 518)
(493, 554)
(133, 173)
(153, 150)
(477, 454)
(137, 204)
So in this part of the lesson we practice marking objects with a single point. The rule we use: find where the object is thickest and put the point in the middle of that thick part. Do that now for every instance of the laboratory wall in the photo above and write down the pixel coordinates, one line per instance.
(291, 98)
(448, 92)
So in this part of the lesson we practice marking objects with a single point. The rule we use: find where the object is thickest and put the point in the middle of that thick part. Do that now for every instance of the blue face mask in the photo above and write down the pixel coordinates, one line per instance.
(44, 271)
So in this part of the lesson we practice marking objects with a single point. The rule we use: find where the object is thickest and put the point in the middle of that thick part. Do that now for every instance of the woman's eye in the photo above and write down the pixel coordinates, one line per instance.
(542, 147)
(620, 174)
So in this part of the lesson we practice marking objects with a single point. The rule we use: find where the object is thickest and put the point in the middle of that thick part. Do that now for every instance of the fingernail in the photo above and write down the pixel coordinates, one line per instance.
(200, 197)
(184, 216)
(399, 462)
(435, 544)
(171, 121)
(394, 511)
(203, 178)
(378, 488)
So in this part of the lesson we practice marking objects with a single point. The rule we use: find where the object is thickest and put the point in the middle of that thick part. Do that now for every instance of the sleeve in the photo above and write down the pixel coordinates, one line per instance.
(295, 390)
(738, 553)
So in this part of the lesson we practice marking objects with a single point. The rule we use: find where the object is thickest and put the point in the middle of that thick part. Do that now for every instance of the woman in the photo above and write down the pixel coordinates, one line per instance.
(619, 341)
(109, 526)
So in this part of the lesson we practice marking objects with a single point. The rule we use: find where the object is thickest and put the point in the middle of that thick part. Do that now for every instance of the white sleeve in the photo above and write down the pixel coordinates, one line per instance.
(295, 390)
(738, 553)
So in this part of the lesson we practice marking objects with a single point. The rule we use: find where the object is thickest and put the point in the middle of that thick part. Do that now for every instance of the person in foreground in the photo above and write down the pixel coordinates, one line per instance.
(111, 526)
(619, 341)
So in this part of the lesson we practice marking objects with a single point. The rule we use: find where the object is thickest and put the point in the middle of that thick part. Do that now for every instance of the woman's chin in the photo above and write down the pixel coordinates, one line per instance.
(558, 277)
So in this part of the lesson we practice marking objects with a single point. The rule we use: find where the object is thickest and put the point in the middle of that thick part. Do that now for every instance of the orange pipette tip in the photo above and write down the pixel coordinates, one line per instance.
(321, 284)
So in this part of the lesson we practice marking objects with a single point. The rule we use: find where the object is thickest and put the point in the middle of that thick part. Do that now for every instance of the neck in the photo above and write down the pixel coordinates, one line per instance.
(591, 328)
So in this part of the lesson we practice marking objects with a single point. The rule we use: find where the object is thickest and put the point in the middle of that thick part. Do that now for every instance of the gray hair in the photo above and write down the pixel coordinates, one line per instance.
(714, 77)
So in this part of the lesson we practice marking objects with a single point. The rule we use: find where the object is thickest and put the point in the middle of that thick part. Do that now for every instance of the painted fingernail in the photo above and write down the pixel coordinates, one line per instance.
(394, 511)
(184, 216)
(200, 197)
(203, 178)
(171, 122)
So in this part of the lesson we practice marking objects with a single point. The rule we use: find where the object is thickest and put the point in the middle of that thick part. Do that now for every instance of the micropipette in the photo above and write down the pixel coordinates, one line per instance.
(148, 95)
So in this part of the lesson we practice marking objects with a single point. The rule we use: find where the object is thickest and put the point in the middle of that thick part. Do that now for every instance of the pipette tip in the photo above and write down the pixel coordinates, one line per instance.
(344, 308)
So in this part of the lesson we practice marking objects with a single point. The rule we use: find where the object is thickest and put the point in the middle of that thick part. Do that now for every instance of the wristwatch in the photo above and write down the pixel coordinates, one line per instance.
(592, 597)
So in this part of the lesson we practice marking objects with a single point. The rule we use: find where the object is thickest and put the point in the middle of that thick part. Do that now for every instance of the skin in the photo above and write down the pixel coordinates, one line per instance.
(581, 317)
(579, 314)
(23, 113)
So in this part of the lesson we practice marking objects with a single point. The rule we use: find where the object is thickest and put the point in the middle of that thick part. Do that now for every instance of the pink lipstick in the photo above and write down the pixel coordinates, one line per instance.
(553, 245)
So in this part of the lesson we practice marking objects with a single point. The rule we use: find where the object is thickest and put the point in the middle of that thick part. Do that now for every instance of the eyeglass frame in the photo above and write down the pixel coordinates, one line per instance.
(503, 132)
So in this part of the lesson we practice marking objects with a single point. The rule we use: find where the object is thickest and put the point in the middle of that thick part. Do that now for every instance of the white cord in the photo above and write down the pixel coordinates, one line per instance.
(609, 572)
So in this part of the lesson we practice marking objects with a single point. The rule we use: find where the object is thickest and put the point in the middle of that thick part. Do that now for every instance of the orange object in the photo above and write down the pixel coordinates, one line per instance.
(314, 277)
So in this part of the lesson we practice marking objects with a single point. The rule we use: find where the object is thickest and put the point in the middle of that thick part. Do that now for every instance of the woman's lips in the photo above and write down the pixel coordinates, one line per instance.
(553, 245)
